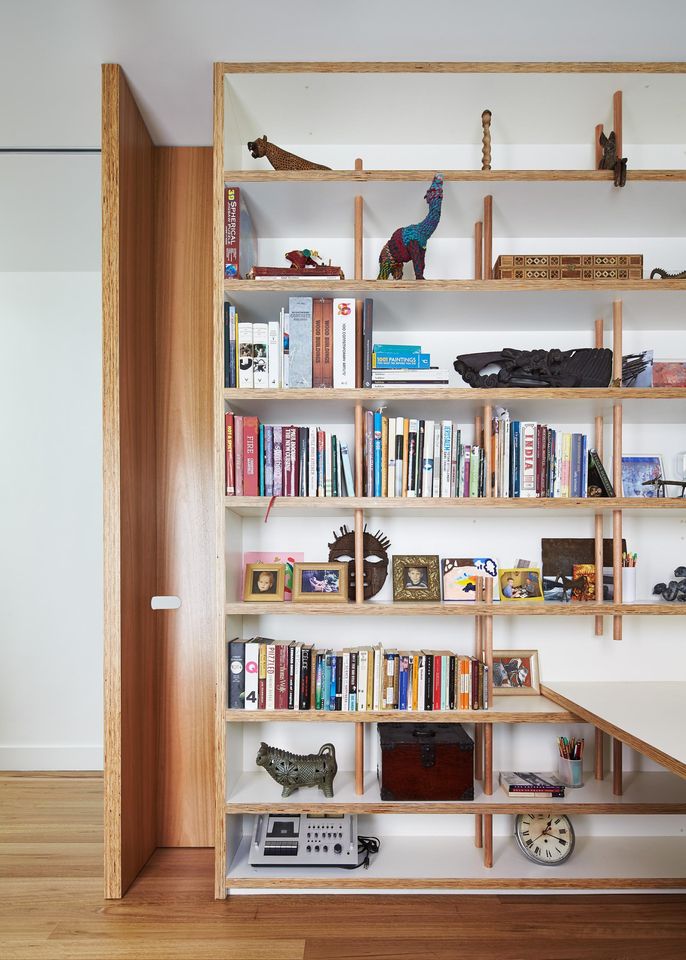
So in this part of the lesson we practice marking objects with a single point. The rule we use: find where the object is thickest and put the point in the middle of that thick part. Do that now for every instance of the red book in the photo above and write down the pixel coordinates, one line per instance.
(281, 678)
(238, 453)
(475, 683)
(251, 428)
(327, 342)
(230, 475)
(317, 343)
(438, 662)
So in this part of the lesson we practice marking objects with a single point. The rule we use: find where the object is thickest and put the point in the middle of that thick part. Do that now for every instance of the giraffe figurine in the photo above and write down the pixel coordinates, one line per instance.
(409, 243)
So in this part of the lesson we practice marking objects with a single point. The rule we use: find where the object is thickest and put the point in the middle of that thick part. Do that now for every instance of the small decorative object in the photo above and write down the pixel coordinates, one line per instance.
(661, 487)
(285, 557)
(280, 159)
(425, 761)
(264, 581)
(294, 770)
(585, 367)
(303, 263)
(520, 583)
(569, 266)
(640, 476)
(545, 838)
(459, 576)
(663, 275)
(299, 259)
(416, 578)
(374, 546)
(409, 243)
(669, 373)
(320, 582)
(610, 160)
(486, 140)
(515, 671)
(570, 762)
(583, 582)
(637, 369)
(675, 589)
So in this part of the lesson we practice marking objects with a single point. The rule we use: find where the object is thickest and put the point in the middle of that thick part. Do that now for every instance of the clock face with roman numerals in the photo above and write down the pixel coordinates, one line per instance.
(545, 838)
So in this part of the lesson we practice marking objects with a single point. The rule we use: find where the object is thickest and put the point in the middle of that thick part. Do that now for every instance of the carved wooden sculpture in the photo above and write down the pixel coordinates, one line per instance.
(280, 159)
(610, 160)
(585, 367)
(486, 140)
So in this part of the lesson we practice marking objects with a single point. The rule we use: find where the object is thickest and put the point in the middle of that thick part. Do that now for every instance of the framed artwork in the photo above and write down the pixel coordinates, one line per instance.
(287, 557)
(459, 576)
(515, 671)
(637, 471)
(561, 555)
(583, 582)
(521, 583)
(320, 582)
(669, 373)
(264, 581)
(416, 577)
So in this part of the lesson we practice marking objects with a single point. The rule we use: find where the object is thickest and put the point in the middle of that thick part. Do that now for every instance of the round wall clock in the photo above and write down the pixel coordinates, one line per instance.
(545, 838)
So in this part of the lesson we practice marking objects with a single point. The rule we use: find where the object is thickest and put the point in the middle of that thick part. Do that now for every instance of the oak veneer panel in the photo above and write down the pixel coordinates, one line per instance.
(368, 287)
(532, 176)
(467, 66)
(185, 494)
(129, 485)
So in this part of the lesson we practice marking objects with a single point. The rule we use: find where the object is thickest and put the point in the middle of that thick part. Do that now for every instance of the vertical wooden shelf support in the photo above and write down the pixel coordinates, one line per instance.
(617, 788)
(478, 728)
(617, 120)
(599, 515)
(488, 237)
(598, 148)
(359, 759)
(358, 262)
(599, 757)
(488, 839)
(478, 250)
(617, 465)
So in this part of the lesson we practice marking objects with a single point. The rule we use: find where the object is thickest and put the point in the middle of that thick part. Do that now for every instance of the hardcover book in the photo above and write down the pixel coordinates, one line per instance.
(299, 342)
(240, 242)
(343, 342)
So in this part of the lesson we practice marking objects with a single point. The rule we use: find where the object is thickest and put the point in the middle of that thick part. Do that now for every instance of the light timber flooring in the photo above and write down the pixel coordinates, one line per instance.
(51, 905)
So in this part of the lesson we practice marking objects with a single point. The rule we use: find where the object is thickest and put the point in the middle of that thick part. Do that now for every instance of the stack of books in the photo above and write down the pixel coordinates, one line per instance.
(527, 784)
(405, 365)
(267, 674)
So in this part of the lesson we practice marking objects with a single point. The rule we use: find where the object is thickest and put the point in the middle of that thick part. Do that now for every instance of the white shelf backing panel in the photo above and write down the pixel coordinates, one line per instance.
(572, 214)
(659, 792)
(440, 862)
(351, 111)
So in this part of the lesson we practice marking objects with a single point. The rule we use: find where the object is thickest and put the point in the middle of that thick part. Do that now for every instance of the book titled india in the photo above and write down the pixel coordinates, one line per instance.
(299, 342)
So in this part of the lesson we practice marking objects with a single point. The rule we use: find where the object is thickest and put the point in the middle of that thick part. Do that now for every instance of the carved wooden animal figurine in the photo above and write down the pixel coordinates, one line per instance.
(280, 159)
(292, 770)
(486, 141)
(663, 275)
(303, 258)
(409, 243)
(610, 160)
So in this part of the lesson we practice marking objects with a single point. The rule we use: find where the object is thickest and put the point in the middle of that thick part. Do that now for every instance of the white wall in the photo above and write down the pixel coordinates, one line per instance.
(50, 481)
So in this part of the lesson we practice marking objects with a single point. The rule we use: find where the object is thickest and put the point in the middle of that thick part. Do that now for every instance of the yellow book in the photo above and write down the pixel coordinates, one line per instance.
(384, 456)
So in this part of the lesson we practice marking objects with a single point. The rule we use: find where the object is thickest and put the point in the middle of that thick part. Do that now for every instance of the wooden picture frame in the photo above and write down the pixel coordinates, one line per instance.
(416, 578)
(515, 672)
(517, 584)
(265, 582)
(324, 582)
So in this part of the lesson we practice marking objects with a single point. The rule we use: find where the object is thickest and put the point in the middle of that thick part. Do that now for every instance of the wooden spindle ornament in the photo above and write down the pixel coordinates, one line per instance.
(486, 140)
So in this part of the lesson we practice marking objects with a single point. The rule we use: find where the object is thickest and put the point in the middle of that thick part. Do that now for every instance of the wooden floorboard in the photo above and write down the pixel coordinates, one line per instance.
(52, 908)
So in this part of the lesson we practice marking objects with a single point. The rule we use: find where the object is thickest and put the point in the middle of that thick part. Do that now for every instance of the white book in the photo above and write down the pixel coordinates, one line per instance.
(343, 342)
(362, 667)
(428, 460)
(391, 457)
(455, 472)
(421, 682)
(347, 470)
(345, 683)
(260, 338)
(436, 492)
(299, 342)
(400, 454)
(378, 676)
(312, 463)
(274, 346)
(296, 675)
(284, 348)
(271, 674)
(252, 662)
(245, 369)
(327, 463)
(557, 486)
(527, 461)
(446, 457)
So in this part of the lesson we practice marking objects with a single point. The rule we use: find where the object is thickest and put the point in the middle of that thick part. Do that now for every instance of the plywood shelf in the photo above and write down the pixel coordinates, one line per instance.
(452, 394)
(644, 793)
(523, 608)
(426, 863)
(460, 176)
(371, 287)
(506, 709)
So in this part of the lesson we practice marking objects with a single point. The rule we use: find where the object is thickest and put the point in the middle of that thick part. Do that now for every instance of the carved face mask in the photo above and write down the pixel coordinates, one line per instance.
(375, 548)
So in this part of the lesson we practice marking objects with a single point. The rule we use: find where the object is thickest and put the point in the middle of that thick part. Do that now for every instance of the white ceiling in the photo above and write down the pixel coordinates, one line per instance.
(51, 50)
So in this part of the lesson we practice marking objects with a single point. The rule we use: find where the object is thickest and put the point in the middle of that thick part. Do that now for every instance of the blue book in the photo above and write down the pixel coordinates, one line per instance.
(332, 681)
(417, 361)
(514, 460)
(318, 681)
(268, 461)
(397, 349)
(377, 453)
(326, 681)
(403, 681)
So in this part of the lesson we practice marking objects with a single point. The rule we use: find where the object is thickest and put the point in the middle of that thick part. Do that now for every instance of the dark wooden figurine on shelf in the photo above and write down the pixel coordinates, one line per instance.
(408, 244)
(663, 275)
(280, 159)
(303, 263)
(293, 770)
(375, 550)
(610, 160)
(585, 367)
(675, 589)
(486, 140)
(300, 259)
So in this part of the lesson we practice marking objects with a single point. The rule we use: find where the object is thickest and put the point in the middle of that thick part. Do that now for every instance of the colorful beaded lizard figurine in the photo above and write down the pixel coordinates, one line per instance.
(409, 243)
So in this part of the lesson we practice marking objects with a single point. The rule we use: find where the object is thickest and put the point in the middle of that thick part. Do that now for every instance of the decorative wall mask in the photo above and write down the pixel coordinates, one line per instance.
(375, 548)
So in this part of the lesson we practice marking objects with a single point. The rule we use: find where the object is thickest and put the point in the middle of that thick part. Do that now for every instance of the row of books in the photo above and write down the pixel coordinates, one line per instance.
(312, 344)
(284, 461)
(267, 674)
(534, 460)
(406, 457)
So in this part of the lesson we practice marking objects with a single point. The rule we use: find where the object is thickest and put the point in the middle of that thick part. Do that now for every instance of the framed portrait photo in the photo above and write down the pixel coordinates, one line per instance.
(459, 577)
(515, 671)
(521, 583)
(324, 582)
(416, 578)
(264, 581)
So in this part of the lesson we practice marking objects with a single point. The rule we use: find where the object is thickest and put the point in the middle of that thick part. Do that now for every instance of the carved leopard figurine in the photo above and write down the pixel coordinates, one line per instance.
(292, 770)
(280, 159)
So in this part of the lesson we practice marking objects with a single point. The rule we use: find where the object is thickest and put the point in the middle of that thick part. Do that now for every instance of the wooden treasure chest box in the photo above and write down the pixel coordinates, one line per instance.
(569, 266)
(425, 761)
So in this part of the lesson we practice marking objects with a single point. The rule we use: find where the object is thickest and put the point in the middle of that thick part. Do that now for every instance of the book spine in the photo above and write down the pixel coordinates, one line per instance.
(378, 676)
(277, 441)
(260, 334)
(419, 461)
(270, 685)
(452, 683)
(412, 436)
(327, 342)
(317, 343)
(429, 681)
(528, 460)
(347, 470)
(305, 678)
(421, 682)
(274, 354)
(232, 222)
(227, 344)
(584, 466)
(299, 342)
(318, 681)
(367, 336)
(377, 454)
(335, 472)
(428, 460)
(285, 349)
(236, 675)
(281, 681)
(245, 354)
(343, 342)
(336, 681)
(303, 469)
(362, 679)
(233, 334)
(446, 458)
(602, 475)
(437, 680)
(230, 474)
(369, 452)
(269, 461)
(576, 465)
(345, 682)
(352, 695)
(252, 666)
(250, 456)
(390, 485)
(260, 460)
(474, 462)
(384, 456)
(262, 678)
(328, 465)
(436, 490)
(291, 675)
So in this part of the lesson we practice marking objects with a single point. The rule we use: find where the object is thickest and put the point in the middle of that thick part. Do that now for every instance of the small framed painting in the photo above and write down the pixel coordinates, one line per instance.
(640, 476)
(264, 581)
(320, 582)
(416, 578)
(459, 576)
(520, 583)
(515, 671)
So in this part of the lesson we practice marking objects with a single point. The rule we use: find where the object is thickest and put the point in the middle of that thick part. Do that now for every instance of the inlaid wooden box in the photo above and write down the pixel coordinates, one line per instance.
(425, 761)
(569, 266)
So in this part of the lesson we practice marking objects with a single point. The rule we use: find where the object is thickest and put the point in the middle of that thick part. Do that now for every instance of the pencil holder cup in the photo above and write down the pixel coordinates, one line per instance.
(629, 584)
(570, 772)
